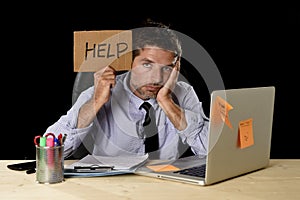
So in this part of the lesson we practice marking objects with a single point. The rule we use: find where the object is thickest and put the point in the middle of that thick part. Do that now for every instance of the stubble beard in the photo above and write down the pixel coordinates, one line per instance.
(145, 94)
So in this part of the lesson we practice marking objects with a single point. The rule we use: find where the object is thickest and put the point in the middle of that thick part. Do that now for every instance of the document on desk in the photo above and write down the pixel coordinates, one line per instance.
(92, 165)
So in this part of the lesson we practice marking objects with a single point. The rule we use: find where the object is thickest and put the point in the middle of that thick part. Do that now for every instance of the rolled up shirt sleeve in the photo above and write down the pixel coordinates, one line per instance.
(67, 124)
(196, 133)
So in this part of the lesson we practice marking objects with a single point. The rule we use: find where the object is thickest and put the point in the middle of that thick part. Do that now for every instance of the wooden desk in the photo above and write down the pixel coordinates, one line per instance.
(279, 181)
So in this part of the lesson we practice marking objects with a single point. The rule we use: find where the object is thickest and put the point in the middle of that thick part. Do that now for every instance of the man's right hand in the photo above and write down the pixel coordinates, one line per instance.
(104, 79)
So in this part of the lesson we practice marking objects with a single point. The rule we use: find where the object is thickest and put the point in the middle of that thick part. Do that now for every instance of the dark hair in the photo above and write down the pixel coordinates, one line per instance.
(155, 34)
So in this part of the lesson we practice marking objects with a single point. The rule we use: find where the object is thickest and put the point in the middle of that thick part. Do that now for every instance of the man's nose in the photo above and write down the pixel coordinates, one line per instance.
(156, 74)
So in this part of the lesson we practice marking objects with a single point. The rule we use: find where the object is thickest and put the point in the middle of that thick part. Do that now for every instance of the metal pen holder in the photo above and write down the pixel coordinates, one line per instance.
(49, 164)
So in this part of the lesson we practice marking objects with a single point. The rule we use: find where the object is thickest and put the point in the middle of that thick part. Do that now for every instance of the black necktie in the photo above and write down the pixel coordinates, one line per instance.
(150, 129)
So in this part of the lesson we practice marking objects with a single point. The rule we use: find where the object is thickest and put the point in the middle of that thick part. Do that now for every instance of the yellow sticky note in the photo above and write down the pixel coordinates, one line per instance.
(220, 111)
(162, 168)
(246, 133)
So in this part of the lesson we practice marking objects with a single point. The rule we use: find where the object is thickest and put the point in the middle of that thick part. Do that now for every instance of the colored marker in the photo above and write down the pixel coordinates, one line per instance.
(50, 142)
(42, 141)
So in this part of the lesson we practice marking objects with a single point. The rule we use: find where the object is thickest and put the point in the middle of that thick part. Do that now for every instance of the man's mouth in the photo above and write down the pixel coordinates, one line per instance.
(152, 87)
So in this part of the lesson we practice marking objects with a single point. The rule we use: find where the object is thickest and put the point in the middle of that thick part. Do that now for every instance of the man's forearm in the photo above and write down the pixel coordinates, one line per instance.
(174, 113)
(87, 114)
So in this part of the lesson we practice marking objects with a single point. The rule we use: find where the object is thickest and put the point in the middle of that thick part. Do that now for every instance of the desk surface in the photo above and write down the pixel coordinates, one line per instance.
(281, 180)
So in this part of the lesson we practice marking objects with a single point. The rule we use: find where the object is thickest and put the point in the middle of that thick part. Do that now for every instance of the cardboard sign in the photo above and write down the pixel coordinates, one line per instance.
(94, 50)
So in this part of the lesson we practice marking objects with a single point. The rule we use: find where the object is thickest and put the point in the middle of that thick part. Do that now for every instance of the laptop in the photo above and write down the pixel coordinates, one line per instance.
(239, 141)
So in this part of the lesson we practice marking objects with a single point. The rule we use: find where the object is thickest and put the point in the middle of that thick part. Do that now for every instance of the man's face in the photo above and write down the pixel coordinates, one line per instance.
(150, 71)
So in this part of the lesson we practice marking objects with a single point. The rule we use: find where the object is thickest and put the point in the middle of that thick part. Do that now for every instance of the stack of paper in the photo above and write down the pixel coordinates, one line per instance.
(118, 164)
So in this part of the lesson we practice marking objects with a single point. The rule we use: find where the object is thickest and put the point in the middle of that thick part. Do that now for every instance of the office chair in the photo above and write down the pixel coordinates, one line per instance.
(83, 80)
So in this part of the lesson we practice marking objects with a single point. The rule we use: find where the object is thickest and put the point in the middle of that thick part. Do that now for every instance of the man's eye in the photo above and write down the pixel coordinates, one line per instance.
(147, 65)
(167, 68)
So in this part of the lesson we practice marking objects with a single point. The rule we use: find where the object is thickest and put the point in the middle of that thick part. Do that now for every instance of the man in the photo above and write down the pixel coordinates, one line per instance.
(110, 111)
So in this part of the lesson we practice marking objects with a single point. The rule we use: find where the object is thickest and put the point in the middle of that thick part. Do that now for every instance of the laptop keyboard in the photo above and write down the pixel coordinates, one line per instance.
(198, 171)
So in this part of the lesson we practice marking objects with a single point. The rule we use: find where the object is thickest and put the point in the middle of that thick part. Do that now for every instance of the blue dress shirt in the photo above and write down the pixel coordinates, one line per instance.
(117, 129)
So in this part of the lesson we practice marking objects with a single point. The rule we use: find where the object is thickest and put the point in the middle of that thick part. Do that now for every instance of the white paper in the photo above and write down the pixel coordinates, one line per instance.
(118, 162)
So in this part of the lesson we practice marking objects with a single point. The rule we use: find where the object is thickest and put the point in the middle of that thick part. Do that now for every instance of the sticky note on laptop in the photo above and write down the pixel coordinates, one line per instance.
(94, 50)
(220, 112)
(245, 133)
(162, 168)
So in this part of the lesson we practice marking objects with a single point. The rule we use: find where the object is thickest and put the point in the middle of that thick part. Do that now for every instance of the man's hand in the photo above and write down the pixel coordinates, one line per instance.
(104, 79)
(165, 92)
(165, 101)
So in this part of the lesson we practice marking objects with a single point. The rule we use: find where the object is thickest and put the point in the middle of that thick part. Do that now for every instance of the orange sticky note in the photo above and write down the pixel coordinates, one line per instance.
(162, 168)
(245, 133)
(220, 111)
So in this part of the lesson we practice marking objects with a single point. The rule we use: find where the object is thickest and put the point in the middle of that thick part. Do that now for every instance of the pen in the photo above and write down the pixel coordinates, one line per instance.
(59, 137)
(56, 142)
(64, 138)
(91, 169)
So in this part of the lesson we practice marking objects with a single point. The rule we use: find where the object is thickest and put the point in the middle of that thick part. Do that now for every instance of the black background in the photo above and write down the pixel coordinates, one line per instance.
(37, 62)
